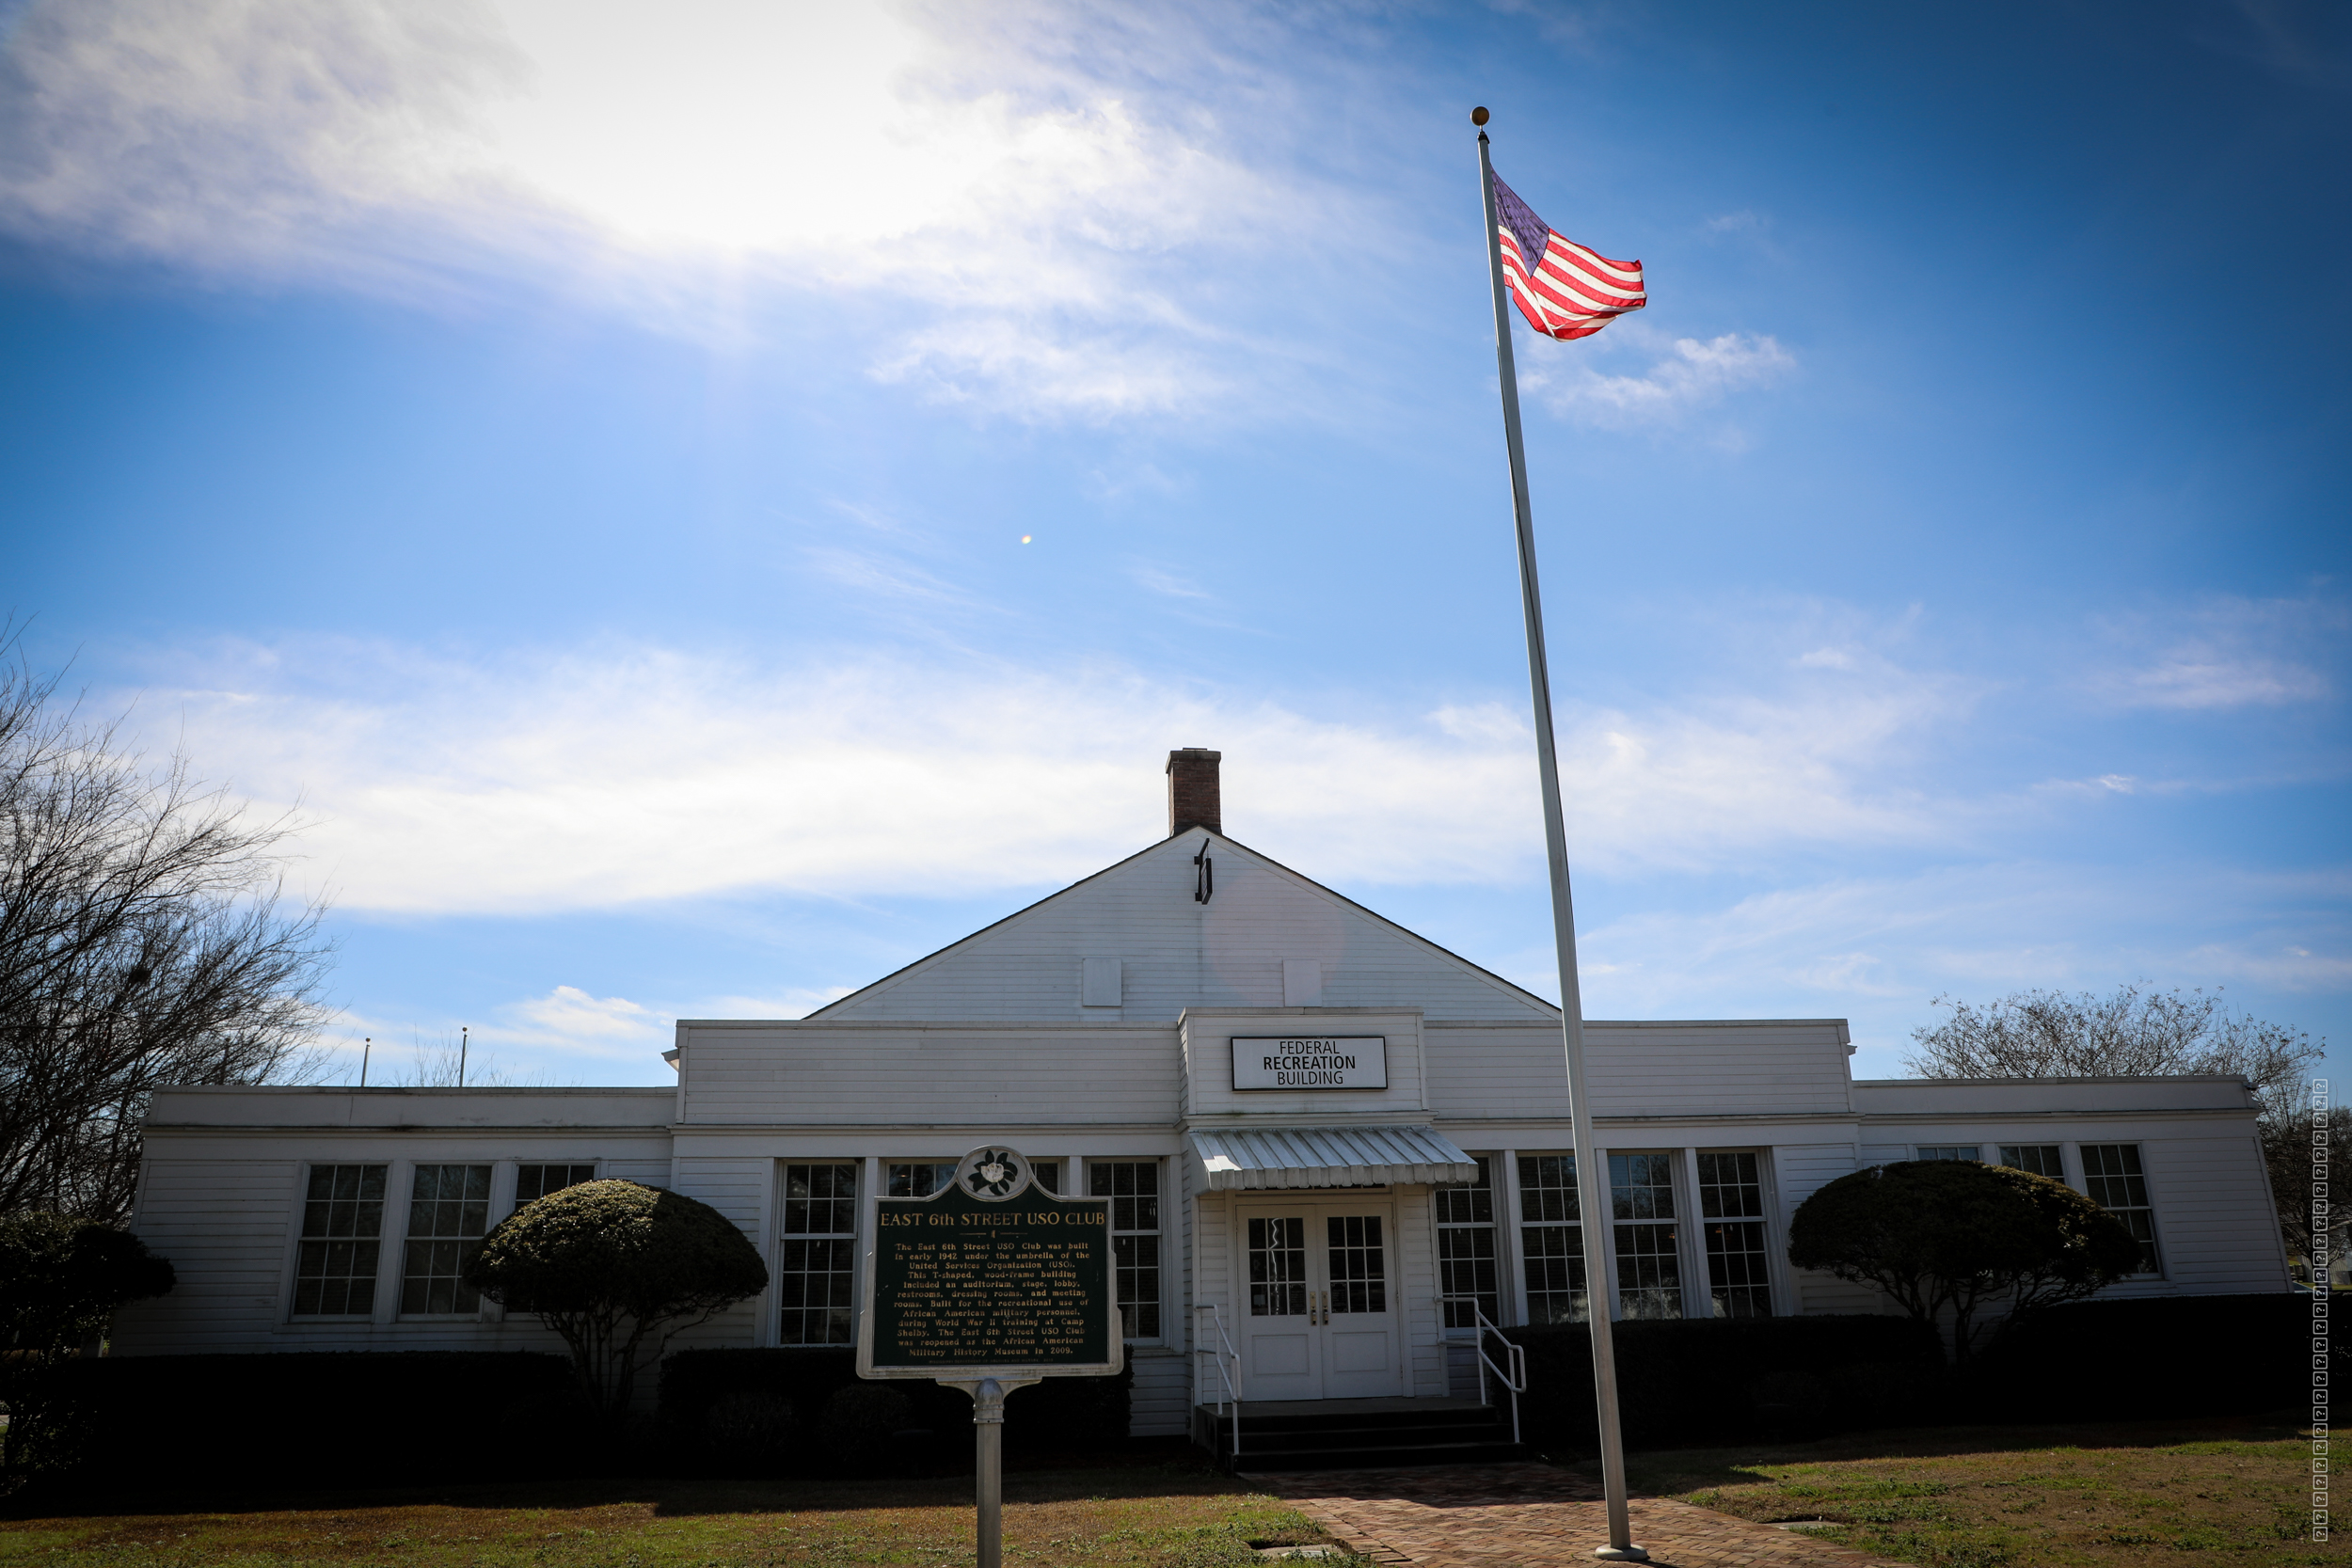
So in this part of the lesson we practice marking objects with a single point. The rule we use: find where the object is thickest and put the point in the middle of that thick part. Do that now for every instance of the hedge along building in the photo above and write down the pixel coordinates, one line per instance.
(1328, 1142)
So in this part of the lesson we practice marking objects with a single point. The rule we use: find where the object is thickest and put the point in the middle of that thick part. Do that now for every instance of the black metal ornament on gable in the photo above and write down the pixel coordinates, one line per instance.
(1204, 881)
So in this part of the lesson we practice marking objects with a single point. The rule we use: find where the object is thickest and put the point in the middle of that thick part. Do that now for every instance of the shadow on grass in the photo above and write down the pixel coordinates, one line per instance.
(1153, 1476)
(1670, 1471)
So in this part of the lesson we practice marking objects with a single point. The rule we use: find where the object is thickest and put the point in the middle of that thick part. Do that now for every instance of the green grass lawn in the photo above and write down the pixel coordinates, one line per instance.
(2182, 1493)
(1163, 1516)
(2220, 1492)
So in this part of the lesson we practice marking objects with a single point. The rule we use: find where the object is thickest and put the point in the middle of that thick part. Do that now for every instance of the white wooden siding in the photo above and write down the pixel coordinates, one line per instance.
(742, 1188)
(1160, 1403)
(1176, 953)
(1417, 1285)
(812, 1074)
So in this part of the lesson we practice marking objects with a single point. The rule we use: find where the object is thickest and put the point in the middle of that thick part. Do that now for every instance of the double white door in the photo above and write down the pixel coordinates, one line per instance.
(1320, 1317)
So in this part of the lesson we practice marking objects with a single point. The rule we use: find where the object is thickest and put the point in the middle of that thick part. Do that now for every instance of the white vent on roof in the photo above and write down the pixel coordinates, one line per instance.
(1302, 982)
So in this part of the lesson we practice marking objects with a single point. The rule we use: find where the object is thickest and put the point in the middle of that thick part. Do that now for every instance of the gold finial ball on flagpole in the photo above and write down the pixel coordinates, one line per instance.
(1479, 115)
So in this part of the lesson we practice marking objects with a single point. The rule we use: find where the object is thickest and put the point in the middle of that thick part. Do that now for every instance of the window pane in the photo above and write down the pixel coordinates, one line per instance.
(1555, 1272)
(1357, 1262)
(1641, 1186)
(449, 1209)
(2037, 1159)
(1466, 1267)
(1649, 1271)
(1471, 1205)
(335, 1266)
(1737, 1271)
(1277, 1267)
(1551, 1244)
(816, 1272)
(537, 1180)
(918, 1178)
(1548, 1188)
(1048, 1174)
(1466, 1248)
(1948, 1151)
(1137, 1259)
(2113, 1178)
(1730, 1187)
(1133, 1187)
(820, 1200)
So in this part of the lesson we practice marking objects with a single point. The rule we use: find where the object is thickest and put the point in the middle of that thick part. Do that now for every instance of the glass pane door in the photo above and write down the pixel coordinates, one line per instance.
(1277, 1267)
(1360, 1269)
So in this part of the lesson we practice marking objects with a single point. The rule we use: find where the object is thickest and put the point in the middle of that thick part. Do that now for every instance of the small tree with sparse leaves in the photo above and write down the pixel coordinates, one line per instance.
(1957, 1235)
(618, 1270)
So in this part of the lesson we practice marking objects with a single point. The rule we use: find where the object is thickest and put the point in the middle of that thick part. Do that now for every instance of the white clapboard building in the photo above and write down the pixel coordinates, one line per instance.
(1328, 1142)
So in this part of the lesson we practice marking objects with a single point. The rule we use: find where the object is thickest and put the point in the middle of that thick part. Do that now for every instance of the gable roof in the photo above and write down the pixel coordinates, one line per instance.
(1176, 952)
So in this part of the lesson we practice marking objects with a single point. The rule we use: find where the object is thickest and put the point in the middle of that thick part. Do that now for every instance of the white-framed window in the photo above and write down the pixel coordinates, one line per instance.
(1731, 1213)
(1466, 1247)
(1133, 1187)
(817, 1262)
(449, 1213)
(922, 1178)
(1946, 1152)
(2036, 1159)
(916, 1178)
(1648, 1244)
(538, 1180)
(342, 1229)
(1551, 1240)
(2115, 1181)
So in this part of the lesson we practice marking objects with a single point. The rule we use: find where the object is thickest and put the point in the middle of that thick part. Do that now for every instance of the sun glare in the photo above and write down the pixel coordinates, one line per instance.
(736, 126)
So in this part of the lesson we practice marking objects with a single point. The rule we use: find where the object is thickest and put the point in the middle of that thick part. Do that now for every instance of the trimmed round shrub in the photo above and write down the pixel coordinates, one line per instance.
(1957, 1235)
(618, 1269)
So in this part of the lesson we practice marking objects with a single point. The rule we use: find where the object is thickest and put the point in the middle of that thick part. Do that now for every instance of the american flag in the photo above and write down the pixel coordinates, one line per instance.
(1564, 289)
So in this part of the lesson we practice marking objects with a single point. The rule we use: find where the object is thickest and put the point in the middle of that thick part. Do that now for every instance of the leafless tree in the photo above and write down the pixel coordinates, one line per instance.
(2136, 1033)
(142, 943)
(2139, 1033)
(447, 1063)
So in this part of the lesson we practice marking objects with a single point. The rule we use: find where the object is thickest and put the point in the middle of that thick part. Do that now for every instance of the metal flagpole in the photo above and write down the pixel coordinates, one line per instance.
(1592, 1182)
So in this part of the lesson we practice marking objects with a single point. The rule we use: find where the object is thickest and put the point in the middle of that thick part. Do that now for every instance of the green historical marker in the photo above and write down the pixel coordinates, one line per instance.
(989, 1285)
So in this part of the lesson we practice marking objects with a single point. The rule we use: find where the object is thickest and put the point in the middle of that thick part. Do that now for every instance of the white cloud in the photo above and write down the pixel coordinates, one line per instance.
(2193, 678)
(621, 777)
(569, 1015)
(550, 1037)
(1042, 185)
(1166, 583)
(1691, 376)
(2229, 653)
(1876, 949)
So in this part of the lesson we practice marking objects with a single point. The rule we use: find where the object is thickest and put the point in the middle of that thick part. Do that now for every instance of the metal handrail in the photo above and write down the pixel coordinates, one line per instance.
(1516, 1378)
(1229, 1378)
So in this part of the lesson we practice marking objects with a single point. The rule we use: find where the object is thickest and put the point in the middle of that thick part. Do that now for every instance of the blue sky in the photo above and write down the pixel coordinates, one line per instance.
(698, 505)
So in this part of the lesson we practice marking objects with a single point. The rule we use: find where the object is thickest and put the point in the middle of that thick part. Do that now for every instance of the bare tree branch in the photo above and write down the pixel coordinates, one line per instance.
(143, 943)
(2136, 1033)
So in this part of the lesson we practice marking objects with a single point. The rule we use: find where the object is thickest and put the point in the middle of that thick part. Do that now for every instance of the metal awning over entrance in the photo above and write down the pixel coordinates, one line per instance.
(1262, 1158)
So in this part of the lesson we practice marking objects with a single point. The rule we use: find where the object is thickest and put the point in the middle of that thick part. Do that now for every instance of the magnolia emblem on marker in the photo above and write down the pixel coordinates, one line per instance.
(993, 1175)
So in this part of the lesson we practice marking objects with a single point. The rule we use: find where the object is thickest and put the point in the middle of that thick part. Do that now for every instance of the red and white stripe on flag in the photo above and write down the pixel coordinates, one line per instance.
(1569, 291)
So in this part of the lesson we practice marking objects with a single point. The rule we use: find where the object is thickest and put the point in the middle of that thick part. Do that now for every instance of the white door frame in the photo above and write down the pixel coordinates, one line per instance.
(1315, 1204)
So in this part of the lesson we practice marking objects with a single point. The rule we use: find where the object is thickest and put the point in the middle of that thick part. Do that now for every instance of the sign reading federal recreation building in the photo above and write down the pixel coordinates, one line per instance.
(990, 1276)
(1311, 1061)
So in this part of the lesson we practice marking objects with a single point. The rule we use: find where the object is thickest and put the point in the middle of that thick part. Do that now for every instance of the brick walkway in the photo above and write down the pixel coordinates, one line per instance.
(1530, 1517)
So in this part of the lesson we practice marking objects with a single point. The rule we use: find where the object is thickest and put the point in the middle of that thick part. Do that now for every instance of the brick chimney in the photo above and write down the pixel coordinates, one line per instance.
(1192, 796)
